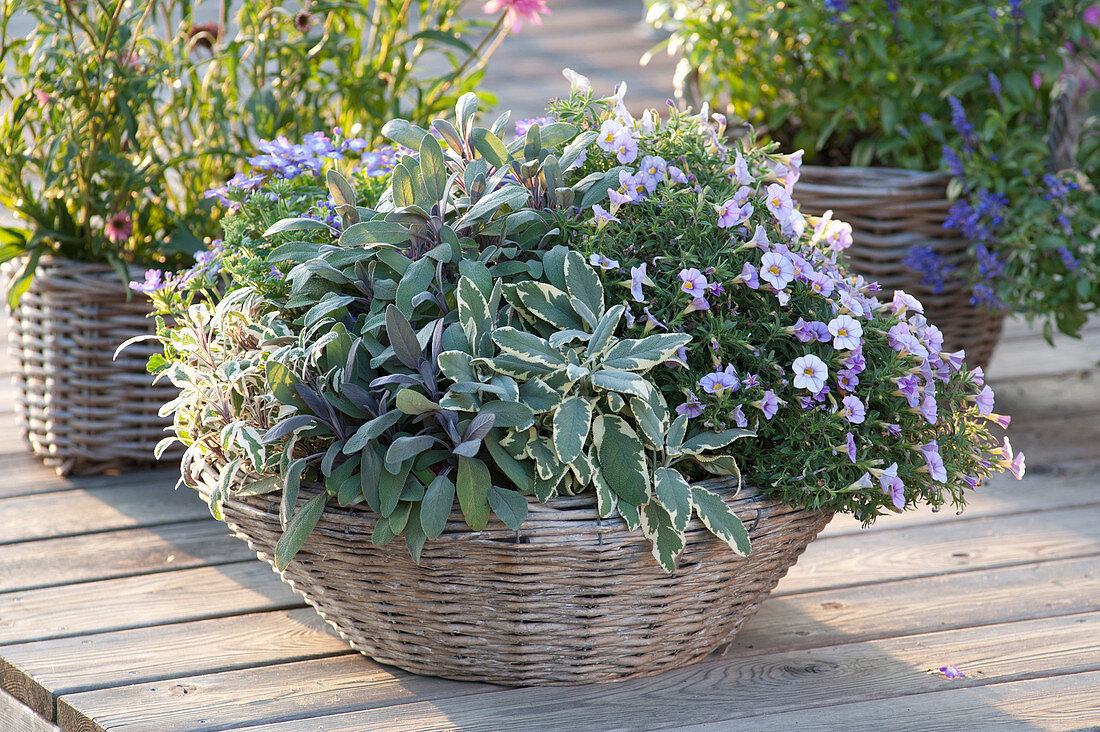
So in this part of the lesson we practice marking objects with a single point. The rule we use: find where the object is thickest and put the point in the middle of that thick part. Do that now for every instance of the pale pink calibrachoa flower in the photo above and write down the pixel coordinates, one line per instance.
(693, 282)
(517, 11)
(776, 269)
(768, 404)
(854, 410)
(846, 332)
(810, 373)
(893, 486)
(691, 408)
(851, 446)
(934, 461)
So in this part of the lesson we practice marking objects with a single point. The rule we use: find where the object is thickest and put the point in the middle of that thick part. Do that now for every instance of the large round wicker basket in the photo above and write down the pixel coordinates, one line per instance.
(569, 598)
(891, 210)
(80, 409)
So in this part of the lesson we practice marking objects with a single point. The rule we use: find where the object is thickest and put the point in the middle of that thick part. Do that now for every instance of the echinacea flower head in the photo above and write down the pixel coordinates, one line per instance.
(846, 332)
(517, 11)
(776, 269)
(810, 373)
(853, 409)
(119, 227)
(693, 282)
(720, 383)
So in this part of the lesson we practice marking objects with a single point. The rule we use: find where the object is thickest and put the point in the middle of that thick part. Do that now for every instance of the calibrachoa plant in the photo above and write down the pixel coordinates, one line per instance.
(602, 304)
(1002, 94)
(855, 405)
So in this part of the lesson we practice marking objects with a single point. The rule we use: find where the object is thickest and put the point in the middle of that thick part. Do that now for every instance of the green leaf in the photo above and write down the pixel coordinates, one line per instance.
(404, 133)
(642, 354)
(604, 330)
(509, 414)
(296, 224)
(509, 506)
(527, 347)
(403, 187)
(571, 424)
(478, 273)
(659, 528)
(473, 491)
(622, 459)
(282, 383)
(623, 382)
(299, 529)
(550, 304)
(583, 283)
(370, 477)
(343, 195)
(413, 402)
(289, 499)
(417, 279)
(555, 133)
(605, 498)
(674, 493)
(490, 147)
(676, 432)
(539, 396)
(390, 487)
(432, 168)
(414, 532)
(630, 514)
(457, 366)
(717, 516)
(512, 196)
(436, 506)
(708, 441)
(402, 338)
(465, 109)
(263, 486)
(406, 448)
(374, 233)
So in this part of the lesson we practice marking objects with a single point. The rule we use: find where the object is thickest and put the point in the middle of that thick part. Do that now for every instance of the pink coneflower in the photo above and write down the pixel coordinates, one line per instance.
(517, 11)
(119, 227)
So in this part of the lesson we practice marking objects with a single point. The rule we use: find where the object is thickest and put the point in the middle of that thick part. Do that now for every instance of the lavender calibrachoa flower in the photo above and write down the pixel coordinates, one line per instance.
(822, 352)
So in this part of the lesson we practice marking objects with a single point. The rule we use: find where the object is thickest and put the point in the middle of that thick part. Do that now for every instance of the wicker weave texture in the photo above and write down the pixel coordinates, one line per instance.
(81, 410)
(891, 210)
(570, 598)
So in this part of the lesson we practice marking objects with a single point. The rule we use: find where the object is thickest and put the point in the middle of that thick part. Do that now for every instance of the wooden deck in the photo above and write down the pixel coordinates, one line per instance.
(123, 606)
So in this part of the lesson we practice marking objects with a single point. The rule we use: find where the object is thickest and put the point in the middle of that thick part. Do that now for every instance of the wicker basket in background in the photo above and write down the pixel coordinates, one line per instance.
(891, 210)
(569, 598)
(80, 409)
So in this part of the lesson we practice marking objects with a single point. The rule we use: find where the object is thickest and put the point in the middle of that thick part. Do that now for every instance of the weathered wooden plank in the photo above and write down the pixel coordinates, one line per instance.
(945, 548)
(1054, 440)
(38, 673)
(1041, 489)
(743, 688)
(1027, 357)
(88, 557)
(26, 475)
(142, 601)
(813, 619)
(1068, 702)
(1072, 393)
(17, 717)
(50, 515)
(259, 695)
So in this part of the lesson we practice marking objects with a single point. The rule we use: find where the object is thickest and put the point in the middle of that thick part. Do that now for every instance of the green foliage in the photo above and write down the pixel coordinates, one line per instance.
(118, 116)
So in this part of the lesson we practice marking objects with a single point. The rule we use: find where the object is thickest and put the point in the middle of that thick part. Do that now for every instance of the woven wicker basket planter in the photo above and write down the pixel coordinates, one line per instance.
(891, 210)
(81, 410)
(570, 598)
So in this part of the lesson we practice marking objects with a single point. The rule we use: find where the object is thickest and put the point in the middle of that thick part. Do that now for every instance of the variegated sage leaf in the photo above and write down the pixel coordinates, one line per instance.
(674, 493)
(623, 382)
(583, 283)
(605, 329)
(622, 459)
(659, 528)
(707, 441)
(642, 354)
(717, 516)
(571, 422)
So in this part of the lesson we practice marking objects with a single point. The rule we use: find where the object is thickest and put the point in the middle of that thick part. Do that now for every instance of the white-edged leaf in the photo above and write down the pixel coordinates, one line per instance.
(641, 354)
(583, 283)
(707, 441)
(623, 382)
(621, 459)
(717, 516)
(659, 528)
(674, 493)
(571, 423)
(527, 347)
(604, 330)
